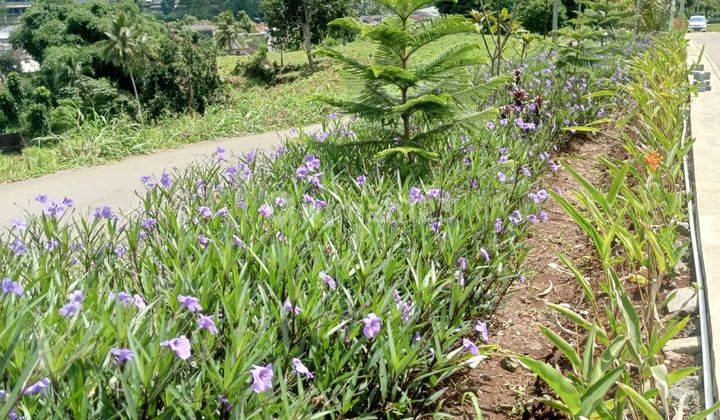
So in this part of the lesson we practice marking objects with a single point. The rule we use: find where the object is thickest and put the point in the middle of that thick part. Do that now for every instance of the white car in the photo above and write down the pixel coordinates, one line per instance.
(697, 23)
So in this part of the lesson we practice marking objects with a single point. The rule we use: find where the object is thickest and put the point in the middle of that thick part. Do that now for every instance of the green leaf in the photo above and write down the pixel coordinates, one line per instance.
(565, 347)
(595, 394)
(555, 380)
(640, 402)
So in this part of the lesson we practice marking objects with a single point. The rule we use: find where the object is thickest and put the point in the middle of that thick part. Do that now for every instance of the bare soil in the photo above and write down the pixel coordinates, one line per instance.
(505, 391)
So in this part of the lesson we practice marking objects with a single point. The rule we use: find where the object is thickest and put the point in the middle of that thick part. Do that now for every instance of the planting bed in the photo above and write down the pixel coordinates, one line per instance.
(316, 280)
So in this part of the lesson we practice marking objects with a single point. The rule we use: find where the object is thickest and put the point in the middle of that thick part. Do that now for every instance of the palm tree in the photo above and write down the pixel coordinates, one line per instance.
(123, 48)
(228, 31)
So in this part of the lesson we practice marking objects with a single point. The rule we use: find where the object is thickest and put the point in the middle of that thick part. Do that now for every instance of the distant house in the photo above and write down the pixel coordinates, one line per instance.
(14, 9)
(5, 37)
(420, 15)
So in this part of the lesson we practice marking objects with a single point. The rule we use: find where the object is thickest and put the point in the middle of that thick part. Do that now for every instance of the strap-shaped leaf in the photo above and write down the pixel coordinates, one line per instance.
(564, 389)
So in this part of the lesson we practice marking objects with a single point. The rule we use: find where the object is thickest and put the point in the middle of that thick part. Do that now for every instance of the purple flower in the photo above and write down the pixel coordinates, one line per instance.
(120, 251)
(37, 387)
(554, 166)
(302, 172)
(462, 263)
(434, 193)
(371, 325)
(468, 345)
(435, 226)
(227, 406)
(68, 202)
(17, 247)
(265, 210)
(406, 308)
(166, 180)
(481, 327)
(474, 183)
(121, 355)
(361, 180)
(526, 171)
(8, 286)
(515, 217)
(207, 323)
(19, 223)
(203, 240)
(301, 369)
(189, 302)
(70, 309)
(148, 182)
(76, 296)
(148, 223)
(315, 179)
(42, 198)
(320, 204)
(312, 163)
(280, 202)
(532, 218)
(498, 225)
(490, 125)
(262, 378)
(416, 195)
(139, 301)
(485, 254)
(104, 212)
(54, 209)
(290, 307)
(180, 345)
(205, 212)
(544, 216)
(222, 212)
(219, 154)
(501, 176)
(328, 280)
(237, 241)
(52, 244)
(504, 122)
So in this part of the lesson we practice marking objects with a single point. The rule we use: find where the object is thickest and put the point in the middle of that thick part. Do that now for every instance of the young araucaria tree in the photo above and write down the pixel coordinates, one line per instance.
(411, 95)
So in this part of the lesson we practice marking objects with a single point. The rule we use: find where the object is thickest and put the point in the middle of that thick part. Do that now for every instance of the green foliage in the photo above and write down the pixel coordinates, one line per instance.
(286, 19)
(64, 65)
(632, 226)
(606, 15)
(406, 98)
(229, 31)
(536, 15)
(188, 82)
(10, 61)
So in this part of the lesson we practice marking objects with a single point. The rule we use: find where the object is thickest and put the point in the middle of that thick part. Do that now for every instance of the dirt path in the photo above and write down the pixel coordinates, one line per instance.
(115, 184)
(506, 391)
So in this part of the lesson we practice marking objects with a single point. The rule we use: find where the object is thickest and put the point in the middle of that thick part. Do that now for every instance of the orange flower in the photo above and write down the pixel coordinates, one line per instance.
(653, 159)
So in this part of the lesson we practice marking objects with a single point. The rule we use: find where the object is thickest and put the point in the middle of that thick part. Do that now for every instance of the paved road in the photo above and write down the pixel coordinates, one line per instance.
(705, 125)
(115, 184)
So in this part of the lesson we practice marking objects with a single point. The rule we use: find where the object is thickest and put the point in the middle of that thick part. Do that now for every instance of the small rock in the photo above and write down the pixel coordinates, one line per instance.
(671, 355)
(687, 345)
(681, 267)
(684, 301)
(508, 364)
(689, 387)
(683, 228)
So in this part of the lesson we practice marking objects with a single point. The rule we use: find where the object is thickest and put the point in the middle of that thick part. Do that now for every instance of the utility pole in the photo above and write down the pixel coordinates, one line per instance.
(638, 9)
(681, 15)
(556, 7)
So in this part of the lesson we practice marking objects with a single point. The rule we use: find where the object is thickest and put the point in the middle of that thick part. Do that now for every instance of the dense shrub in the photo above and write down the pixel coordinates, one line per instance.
(188, 81)
(536, 15)
(260, 70)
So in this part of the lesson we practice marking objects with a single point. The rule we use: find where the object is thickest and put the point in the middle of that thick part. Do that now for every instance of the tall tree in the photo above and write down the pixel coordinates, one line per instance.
(228, 31)
(302, 22)
(123, 47)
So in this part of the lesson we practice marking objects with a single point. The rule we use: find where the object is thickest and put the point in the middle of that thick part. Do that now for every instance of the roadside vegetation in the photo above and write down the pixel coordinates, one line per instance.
(355, 271)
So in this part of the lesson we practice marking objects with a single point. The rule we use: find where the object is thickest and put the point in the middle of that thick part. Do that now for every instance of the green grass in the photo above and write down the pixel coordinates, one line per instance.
(713, 27)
